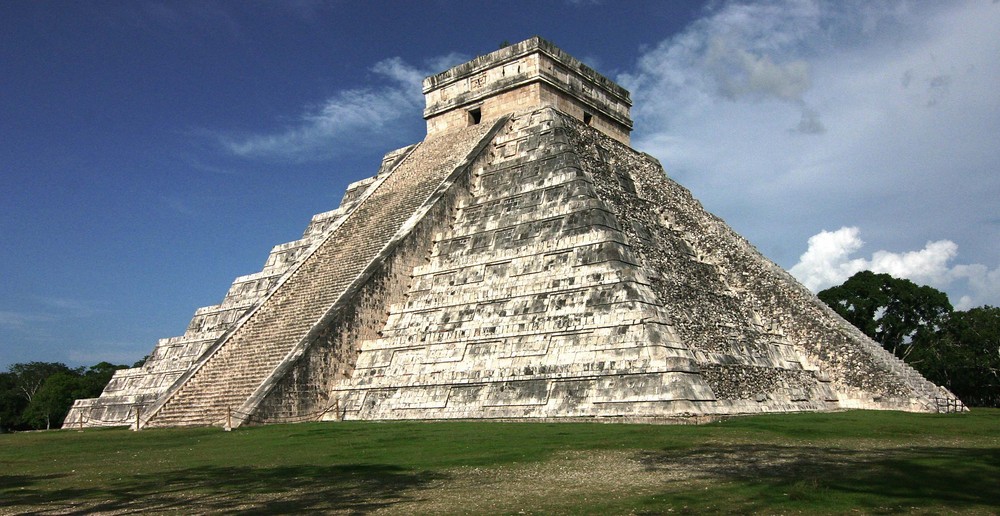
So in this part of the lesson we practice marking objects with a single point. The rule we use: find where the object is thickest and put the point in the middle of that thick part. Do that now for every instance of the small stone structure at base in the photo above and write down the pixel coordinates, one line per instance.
(522, 262)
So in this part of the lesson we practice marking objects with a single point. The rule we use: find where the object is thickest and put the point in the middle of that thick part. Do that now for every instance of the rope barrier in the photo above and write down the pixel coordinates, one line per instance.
(300, 418)
(132, 418)
(86, 421)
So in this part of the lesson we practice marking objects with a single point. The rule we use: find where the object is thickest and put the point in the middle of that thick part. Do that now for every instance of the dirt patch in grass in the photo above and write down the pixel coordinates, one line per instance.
(741, 478)
(568, 480)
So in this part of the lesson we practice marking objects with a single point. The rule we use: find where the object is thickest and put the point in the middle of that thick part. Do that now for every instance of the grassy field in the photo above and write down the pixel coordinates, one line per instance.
(867, 462)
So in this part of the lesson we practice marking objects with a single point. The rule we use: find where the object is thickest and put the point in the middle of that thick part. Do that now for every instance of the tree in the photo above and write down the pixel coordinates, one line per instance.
(40, 394)
(894, 312)
(964, 356)
(12, 402)
(30, 376)
(51, 403)
(958, 350)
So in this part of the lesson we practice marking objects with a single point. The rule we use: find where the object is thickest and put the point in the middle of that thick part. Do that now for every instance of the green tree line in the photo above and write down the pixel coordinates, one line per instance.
(957, 349)
(38, 395)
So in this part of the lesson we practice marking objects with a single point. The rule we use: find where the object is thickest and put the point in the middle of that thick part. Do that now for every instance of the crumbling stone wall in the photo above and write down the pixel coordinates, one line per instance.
(577, 280)
(303, 392)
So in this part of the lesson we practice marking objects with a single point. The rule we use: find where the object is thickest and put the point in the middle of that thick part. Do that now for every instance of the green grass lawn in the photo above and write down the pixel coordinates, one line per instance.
(857, 461)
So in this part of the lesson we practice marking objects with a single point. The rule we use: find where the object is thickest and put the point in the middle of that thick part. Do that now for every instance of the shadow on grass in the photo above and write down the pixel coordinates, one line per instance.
(355, 488)
(770, 476)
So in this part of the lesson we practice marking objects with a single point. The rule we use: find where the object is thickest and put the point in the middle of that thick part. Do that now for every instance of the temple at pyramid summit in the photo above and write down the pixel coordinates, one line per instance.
(522, 262)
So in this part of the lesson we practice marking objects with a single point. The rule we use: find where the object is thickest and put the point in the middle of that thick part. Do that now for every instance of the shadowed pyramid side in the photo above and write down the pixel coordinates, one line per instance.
(762, 341)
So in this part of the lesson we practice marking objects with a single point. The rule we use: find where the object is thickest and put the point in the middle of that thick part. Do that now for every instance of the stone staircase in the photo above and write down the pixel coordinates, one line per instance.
(140, 387)
(230, 374)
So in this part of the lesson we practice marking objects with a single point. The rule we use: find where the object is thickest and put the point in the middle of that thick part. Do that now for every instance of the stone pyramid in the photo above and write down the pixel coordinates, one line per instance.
(522, 262)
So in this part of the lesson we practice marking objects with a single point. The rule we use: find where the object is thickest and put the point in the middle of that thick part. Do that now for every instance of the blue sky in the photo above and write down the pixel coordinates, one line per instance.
(150, 152)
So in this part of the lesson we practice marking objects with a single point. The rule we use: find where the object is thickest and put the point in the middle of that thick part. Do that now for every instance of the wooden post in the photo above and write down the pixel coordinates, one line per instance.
(229, 419)
(138, 411)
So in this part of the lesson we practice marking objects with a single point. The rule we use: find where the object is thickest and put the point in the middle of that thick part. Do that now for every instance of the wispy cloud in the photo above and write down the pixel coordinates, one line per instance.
(19, 320)
(41, 312)
(349, 118)
(198, 164)
(66, 307)
(180, 205)
(742, 53)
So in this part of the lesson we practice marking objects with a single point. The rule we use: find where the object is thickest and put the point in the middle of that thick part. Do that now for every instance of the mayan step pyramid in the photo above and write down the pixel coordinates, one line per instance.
(522, 262)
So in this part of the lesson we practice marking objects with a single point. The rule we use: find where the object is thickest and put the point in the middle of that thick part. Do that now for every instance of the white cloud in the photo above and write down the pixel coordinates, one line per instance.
(66, 307)
(828, 261)
(319, 130)
(929, 265)
(983, 282)
(353, 117)
(785, 116)
(741, 53)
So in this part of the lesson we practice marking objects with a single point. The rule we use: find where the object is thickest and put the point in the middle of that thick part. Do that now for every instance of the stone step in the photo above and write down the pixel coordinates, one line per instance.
(254, 350)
